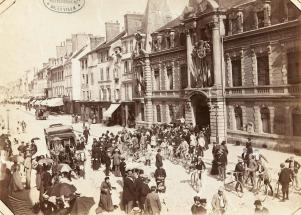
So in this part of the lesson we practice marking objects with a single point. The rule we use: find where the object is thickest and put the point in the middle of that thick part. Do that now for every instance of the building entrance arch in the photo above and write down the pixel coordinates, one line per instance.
(201, 110)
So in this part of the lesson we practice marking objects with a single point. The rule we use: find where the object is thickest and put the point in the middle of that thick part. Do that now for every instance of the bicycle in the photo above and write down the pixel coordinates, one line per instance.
(196, 180)
(230, 183)
(261, 189)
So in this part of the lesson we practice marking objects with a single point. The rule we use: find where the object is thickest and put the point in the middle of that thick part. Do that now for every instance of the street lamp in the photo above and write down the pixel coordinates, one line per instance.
(7, 118)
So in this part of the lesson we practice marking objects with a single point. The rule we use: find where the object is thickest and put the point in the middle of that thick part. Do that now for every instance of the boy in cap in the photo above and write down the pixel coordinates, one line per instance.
(259, 209)
(199, 206)
(285, 176)
(238, 173)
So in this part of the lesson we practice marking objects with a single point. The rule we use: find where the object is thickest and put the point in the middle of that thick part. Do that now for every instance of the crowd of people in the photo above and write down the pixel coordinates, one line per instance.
(142, 192)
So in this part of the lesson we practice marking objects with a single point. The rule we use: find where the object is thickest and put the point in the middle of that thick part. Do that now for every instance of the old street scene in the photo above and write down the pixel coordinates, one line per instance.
(181, 107)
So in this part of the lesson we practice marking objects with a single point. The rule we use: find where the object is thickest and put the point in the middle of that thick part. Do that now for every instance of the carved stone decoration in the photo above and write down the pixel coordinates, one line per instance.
(195, 6)
(172, 38)
(202, 64)
(240, 20)
(267, 12)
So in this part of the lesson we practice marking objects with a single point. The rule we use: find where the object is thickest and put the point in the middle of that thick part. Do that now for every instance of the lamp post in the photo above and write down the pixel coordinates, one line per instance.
(7, 118)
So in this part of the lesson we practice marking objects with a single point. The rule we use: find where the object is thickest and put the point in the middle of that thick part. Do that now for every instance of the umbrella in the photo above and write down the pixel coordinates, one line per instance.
(82, 206)
(61, 189)
(46, 161)
(56, 139)
(63, 167)
(35, 138)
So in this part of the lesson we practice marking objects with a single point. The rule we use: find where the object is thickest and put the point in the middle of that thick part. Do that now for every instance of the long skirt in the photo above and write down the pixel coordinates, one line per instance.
(17, 182)
(105, 202)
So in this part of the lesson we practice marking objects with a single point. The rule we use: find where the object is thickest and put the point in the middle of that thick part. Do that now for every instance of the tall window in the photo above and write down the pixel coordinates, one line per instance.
(182, 39)
(238, 118)
(296, 121)
(236, 72)
(101, 74)
(87, 79)
(168, 43)
(170, 78)
(293, 74)
(157, 80)
(263, 70)
(125, 67)
(92, 79)
(183, 75)
(108, 73)
(104, 93)
(265, 120)
(109, 94)
(158, 109)
(131, 46)
(260, 18)
(171, 113)
(142, 112)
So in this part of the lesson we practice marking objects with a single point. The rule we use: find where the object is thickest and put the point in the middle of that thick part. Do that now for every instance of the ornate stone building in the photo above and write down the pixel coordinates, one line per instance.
(232, 65)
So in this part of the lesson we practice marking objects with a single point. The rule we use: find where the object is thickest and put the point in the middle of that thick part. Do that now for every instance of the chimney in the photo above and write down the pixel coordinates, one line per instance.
(112, 30)
(69, 47)
(132, 23)
(95, 41)
(79, 41)
(61, 51)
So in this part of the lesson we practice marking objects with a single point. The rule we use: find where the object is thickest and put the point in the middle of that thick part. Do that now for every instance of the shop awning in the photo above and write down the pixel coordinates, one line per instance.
(111, 110)
(55, 102)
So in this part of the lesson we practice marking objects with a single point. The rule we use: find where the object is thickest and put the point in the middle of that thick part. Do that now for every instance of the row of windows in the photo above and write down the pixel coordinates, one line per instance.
(102, 78)
(168, 76)
(168, 41)
(57, 76)
(171, 113)
(263, 72)
(266, 121)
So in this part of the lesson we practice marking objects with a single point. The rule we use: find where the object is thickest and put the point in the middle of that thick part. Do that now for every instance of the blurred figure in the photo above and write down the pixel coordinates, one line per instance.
(152, 203)
(219, 202)
(259, 209)
(199, 206)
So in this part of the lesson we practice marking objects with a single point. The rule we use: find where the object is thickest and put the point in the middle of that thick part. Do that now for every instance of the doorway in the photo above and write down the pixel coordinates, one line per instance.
(201, 110)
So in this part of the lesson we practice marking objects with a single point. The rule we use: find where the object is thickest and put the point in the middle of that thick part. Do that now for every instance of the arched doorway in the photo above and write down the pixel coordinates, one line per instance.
(200, 110)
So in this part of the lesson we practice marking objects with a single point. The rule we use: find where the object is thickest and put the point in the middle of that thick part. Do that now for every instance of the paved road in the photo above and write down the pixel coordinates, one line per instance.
(180, 194)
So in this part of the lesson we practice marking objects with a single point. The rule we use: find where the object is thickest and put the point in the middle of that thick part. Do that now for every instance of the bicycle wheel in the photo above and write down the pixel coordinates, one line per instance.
(262, 192)
(296, 183)
(192, 180)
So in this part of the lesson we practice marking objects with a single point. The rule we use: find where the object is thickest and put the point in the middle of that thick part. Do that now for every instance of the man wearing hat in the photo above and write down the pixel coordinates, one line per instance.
(199, 206)
(285, 176)
(259, 209)
(219, 202)
(159, 159)
(152, 202)
(47, 207)
(238, 173)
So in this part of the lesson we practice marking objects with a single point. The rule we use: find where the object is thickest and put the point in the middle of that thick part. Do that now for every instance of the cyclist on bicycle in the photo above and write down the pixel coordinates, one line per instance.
(258, 156)
(199, 165)
(265, 176)
(238, 174)
(183, 148)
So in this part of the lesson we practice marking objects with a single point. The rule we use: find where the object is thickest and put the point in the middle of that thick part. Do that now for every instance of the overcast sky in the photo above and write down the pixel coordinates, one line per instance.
(29, 31)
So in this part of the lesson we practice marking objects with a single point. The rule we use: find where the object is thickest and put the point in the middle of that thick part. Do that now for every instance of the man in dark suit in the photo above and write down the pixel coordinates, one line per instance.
(129, 192)
(159, 159)
(285, 177)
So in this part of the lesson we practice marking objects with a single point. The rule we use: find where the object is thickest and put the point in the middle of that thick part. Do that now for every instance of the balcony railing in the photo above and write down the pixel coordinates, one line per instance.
(166, 93)
(265, 90)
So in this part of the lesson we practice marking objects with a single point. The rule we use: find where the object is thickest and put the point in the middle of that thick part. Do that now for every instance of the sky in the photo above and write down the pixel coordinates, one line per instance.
(29, 32)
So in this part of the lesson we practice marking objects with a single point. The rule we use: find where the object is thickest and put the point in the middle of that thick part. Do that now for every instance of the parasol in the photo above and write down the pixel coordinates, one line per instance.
(35, 138)
(46, 161)
(63, 168)
(61, 189)
(82, 206)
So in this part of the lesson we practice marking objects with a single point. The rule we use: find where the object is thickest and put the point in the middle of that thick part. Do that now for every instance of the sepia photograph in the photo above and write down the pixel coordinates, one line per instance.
(150, 107)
